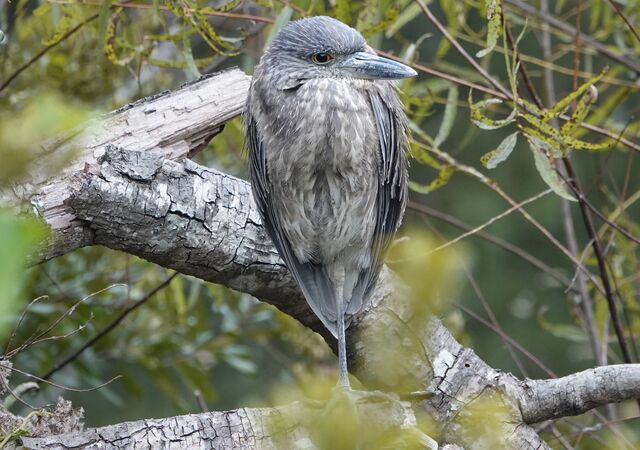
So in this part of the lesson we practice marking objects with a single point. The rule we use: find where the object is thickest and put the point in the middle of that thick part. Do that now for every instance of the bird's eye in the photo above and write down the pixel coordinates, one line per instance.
(321, 58)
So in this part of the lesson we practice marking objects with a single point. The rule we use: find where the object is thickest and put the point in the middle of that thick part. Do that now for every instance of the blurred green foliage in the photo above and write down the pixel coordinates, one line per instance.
(58, 55)
(19, 236)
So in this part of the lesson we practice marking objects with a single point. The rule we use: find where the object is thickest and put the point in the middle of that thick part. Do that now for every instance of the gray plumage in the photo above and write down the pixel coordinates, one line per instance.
(326, 143)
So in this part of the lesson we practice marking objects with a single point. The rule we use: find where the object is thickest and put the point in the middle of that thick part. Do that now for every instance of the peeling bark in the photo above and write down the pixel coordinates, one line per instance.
(135, 195)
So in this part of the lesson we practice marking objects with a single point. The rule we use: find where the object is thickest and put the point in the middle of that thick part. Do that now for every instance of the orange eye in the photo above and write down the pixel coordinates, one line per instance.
(321, 58)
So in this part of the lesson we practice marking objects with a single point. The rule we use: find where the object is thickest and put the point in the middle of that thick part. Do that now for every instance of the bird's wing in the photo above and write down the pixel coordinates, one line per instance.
(311, 277)
(391, 200)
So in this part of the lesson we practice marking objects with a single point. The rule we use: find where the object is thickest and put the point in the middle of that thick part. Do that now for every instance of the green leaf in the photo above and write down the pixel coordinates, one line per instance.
(491, 159)
(423, 157)
(42, 9)
(448, 117)
(540, 150)
(192, 68)
(454, 18)
(103, 20)
(494, 14)
(482, 121)
(18, 238)
(581, 110)
(564, 103)
(406, 16)
(563, 331)
(281, 20)
(444, 175)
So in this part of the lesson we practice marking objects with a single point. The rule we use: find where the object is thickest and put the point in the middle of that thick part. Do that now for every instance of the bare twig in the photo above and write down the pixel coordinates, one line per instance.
(532, 11)
(60, 386)
(445, 157)
(109, 327)
(424, 209)
(39, 336)
(516, 207)
(625, 18)
(230, 15)
(509, 339)
(44, 50)
(481, 70)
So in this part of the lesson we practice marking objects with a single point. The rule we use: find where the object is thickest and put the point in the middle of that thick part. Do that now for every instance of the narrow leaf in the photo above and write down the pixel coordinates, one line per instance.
(444, 175)
(423, 157)
(191, 69)
(448, 117)
(494, 14)
(540, 149)
(103, 20)
(491, 159)
(281, 20)
(406, 16)
(563, 331)
(581, 110)
(483, 122)
(564, 103)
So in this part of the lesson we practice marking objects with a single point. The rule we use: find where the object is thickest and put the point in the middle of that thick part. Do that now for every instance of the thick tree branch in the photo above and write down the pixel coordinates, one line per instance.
(133, 193)
(177, 124)
(291, 426)
(579, 392)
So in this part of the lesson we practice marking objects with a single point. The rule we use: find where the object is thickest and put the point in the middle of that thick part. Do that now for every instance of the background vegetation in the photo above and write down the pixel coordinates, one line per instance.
(490, 162)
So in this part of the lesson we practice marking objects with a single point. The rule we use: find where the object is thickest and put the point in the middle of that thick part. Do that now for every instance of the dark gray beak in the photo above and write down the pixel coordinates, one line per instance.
(373, 67)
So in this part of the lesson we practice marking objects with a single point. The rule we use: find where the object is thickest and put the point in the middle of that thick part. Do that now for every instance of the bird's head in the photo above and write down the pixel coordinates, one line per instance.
(322, 47)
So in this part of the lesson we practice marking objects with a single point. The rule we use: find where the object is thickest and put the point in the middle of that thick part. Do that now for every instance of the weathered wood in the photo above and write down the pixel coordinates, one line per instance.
(288, 427)
(176, 123)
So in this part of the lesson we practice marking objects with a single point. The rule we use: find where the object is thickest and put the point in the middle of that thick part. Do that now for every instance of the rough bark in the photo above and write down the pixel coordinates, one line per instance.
(288, 427)
(176, 124)
(143, 200)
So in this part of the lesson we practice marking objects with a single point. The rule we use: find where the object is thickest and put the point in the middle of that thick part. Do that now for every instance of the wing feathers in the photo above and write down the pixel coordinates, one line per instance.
(392, 185)
(311, 277)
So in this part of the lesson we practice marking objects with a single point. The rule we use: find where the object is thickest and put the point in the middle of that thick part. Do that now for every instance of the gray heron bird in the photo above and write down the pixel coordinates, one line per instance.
(326, 136)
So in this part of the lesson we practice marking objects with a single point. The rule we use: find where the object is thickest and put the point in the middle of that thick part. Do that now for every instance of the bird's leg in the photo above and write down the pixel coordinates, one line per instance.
(343, 377)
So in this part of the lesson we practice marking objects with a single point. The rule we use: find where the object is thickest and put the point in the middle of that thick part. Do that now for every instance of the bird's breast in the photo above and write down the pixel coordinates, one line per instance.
(335, 124)
(323, 162)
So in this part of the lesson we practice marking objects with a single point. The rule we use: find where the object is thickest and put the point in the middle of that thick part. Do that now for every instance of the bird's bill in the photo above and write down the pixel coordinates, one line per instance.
(373, 67)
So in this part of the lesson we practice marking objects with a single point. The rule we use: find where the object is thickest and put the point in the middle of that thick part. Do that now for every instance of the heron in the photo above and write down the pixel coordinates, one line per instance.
(327, 136)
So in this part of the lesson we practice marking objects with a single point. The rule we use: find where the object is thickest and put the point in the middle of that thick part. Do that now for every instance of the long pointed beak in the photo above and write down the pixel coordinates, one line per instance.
(373, 67)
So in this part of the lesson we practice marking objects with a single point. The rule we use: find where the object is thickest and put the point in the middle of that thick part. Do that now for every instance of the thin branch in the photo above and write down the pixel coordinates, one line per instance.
(491, 238)
(507, 338)
(585, 298)
(624, 17)
(445, 76)
(532, 11)
(481, 70)
(516, 207)
(60, 386)
(109, 327)
(445, 157)
(230, 15)
(44, 50)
